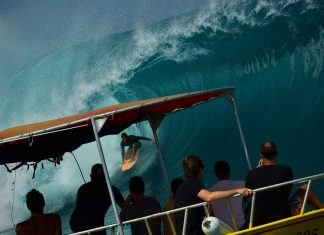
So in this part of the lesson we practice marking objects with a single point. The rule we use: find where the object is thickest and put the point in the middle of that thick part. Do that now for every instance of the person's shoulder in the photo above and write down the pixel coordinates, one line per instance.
(85, 186)
(22, 224)
(23, 227)
(152, 201)
(239, 183)
(53, 216)
(284, 168)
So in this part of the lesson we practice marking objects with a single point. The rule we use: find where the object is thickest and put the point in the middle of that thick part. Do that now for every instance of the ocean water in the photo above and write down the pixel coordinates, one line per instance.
(270, 51)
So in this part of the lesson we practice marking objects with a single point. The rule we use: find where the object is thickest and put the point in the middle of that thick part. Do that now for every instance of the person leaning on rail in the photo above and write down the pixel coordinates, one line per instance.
(270, 205)
(192, 191)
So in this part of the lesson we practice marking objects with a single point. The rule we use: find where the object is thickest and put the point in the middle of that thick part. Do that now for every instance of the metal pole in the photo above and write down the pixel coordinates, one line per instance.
(252, 210)
(241, 134)
(185, 222)
(231, 213)
(104, 165)
(165, 176)
(305, 197)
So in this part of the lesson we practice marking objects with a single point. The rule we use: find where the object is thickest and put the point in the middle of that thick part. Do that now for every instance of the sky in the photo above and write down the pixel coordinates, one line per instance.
(31, 28)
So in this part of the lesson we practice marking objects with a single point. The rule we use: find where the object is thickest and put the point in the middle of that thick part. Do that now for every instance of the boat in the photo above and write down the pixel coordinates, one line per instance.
(50, 140)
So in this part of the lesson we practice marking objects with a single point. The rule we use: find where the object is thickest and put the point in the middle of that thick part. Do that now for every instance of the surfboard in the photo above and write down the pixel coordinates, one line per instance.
(128, 163)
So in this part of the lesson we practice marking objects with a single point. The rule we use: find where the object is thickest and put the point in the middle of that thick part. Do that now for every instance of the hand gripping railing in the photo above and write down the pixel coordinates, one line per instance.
(186, 209)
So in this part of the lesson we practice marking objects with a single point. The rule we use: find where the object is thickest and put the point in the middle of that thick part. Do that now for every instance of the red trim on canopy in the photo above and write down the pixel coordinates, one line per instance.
(51, 139)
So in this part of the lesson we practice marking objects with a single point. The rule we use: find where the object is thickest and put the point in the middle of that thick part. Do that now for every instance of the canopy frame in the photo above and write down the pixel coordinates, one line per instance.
(154, 120)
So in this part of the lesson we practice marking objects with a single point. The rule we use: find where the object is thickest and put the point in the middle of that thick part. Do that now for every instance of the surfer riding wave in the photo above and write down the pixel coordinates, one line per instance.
(134, 144)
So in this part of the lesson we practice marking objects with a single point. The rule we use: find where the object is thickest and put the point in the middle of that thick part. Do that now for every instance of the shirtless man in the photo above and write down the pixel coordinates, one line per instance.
(39, 223)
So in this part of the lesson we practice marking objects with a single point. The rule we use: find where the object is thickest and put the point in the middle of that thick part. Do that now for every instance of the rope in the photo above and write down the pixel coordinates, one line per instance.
(13, 199)
(78, 167)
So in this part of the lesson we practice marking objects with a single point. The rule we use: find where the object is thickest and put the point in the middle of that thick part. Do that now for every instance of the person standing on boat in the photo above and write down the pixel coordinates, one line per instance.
(139, 205)
(93, 201)
(133, 142)
(222, 171)
(192, 191)
(39, 223)
(270, 205)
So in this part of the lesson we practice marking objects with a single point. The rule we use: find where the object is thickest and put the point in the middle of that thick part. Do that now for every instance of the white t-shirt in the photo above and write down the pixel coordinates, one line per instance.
(221, 209)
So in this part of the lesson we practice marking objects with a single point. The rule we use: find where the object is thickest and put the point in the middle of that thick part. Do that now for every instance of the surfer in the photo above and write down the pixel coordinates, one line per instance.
(134, 144)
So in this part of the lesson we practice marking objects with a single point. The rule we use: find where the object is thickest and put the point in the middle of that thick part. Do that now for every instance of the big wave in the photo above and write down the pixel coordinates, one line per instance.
(271, 52)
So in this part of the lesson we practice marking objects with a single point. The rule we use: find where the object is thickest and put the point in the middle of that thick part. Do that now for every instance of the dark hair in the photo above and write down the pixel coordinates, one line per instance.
(136, 185)
(97, 173)
(269, 150)
(175, 183)
(222, 169)
(35, 201)
(192, 165)
(124, 135)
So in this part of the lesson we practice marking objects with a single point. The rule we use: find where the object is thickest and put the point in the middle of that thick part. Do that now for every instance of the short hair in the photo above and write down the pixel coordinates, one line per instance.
(175, 183)
(136, 185)
(124, 134)
(35, 201)
(269, 150)
(192, 165)
(97, 173)
(222, 169)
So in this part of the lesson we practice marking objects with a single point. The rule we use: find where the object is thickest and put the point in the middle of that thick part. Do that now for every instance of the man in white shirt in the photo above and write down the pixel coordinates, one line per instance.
(221, 209)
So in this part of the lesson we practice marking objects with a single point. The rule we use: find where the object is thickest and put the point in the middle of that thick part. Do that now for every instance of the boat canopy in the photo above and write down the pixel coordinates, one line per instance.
(51, 139)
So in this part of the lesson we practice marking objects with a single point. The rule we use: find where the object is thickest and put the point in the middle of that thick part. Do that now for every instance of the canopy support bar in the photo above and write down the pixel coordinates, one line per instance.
(104, 165)
(241, 133)
(155, 122)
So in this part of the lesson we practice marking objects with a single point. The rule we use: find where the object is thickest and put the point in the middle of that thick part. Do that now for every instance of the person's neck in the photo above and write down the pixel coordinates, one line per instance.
(223, 178)
(138, 197)
(267, 162)
(35, 214)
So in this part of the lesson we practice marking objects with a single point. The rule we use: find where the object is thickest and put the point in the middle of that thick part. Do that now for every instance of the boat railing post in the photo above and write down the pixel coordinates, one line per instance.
(305, 197)
(206, 208)
(252, 210)
(185, 222)
(155, 123)
(105, 169)
(241, 133)
(148, 227)
(171, 224)
(232, 213)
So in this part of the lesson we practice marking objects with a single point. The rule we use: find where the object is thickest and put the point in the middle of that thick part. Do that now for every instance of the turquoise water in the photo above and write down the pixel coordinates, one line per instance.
(271, 52)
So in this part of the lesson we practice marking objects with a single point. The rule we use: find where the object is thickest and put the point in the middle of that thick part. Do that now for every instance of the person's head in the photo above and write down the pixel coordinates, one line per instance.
(124, 137)
(268, 151)
(175, 183)
(97, 173)
(222, 170)
(35, 201)
(136, 185)
(193, 167)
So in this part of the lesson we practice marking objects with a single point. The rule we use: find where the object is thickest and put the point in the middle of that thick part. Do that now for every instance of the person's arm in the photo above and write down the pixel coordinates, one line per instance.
(208, 196)
(143, 138)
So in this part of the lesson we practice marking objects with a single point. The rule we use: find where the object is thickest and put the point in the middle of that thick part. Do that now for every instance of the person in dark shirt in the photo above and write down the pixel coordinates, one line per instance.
(139, 205)
(39, 223)
(134, 144)
(270, 205)
(93, 201)
(192, 191)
